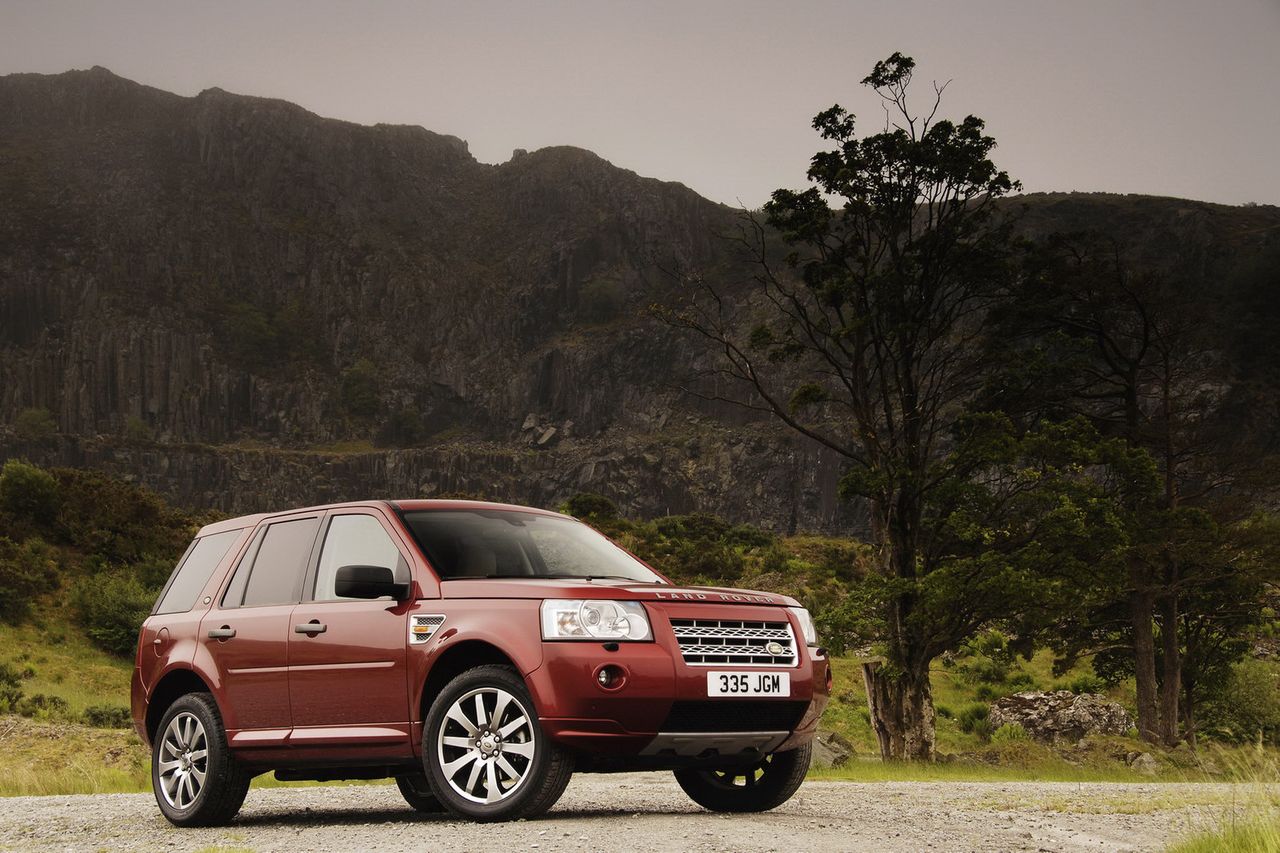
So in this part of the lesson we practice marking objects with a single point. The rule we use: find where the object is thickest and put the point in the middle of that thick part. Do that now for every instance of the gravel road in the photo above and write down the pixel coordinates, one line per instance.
(648, 812)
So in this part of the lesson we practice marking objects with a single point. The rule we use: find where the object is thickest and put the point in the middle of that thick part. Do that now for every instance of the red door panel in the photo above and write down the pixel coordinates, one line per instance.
(352, 674)
(252, 669)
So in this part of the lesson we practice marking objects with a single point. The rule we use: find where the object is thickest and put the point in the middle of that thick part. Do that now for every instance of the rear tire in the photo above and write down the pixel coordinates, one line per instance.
(756, 788)
(416, 791)
(485, 753)
(195, 778)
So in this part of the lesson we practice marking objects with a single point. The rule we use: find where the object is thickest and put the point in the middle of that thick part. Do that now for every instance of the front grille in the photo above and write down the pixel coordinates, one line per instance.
(734, 715)
(708, 642)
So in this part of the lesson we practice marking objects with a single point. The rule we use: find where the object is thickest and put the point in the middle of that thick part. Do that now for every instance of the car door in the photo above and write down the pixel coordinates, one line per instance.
(347, 677)
(247, 635)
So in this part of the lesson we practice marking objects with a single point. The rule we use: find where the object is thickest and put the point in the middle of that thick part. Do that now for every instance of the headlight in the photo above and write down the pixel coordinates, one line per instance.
(574, 619)
(806, 625)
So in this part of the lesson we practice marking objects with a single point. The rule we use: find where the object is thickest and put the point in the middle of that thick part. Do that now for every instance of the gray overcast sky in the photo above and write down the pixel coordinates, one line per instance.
(1177, 97)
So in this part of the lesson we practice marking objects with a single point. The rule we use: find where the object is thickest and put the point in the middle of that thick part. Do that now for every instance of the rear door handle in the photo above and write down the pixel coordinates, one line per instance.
(313, 627)
(224, 633)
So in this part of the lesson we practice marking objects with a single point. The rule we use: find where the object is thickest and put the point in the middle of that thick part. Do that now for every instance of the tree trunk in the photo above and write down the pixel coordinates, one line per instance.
(1170, 669)
(901, 709)
(1141, 613)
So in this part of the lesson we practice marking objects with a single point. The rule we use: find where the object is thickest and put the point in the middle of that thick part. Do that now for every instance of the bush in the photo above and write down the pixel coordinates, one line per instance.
(26, 570)
(112, 605)
(42, 707)
(1087, 683)
(28, 493)
(590, 506)
(1009, 732)
(1248, 707)
(1021, 680)
(10, 688)
(107, 717)
(35, 424)
(138, 430)
(944, 711)
(975, 719)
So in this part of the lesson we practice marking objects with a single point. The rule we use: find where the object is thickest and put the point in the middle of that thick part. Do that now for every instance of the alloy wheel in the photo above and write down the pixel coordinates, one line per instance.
(183, 760)
(486, 745)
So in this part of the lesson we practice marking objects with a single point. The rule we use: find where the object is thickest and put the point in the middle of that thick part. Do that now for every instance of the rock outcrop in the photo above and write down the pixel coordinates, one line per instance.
(1061, 716)
(202, 289)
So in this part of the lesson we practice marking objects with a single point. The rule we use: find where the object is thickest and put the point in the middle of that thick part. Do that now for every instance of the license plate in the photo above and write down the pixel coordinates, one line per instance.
(748, 684)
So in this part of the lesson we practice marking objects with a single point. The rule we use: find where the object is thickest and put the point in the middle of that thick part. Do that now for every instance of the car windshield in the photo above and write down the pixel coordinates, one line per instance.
(483, 543)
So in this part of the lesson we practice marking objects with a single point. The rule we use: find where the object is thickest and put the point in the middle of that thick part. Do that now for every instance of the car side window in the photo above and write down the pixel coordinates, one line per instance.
(355, 540)
(273, 572)
(195, 570)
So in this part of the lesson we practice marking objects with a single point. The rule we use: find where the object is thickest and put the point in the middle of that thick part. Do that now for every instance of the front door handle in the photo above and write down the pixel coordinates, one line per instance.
(226, 632)
(315, 626)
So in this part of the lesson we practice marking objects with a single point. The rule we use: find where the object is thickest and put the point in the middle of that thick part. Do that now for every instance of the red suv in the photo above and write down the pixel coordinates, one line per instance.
(478, 653)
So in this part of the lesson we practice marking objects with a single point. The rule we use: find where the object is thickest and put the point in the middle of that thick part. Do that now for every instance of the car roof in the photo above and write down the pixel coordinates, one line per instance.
(416, 505)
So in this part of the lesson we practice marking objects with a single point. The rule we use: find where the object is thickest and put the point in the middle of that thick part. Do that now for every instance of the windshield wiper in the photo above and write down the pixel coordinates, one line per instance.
(596, 578)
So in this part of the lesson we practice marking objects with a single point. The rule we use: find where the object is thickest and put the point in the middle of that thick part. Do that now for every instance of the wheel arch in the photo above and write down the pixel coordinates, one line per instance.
(174, 685)
(455, 660)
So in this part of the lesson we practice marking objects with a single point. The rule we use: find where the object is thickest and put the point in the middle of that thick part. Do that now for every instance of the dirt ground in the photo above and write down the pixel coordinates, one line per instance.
(649, 812)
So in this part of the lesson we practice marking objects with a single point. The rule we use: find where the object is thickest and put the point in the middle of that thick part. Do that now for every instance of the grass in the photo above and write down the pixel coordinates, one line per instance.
(63, 663)
(847, 714)
(1259, 835)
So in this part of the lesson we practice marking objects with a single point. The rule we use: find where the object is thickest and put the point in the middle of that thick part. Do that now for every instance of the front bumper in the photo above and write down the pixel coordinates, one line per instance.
(660, 708)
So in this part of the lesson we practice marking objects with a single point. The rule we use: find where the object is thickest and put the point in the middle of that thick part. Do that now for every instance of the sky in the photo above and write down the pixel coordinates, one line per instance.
(1167, 97)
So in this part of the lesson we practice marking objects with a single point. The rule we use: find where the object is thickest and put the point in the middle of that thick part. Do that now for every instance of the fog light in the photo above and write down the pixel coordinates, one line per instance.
(610, 677)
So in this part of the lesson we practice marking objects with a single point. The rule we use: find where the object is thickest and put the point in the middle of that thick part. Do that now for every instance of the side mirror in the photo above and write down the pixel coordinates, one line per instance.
(369, 582)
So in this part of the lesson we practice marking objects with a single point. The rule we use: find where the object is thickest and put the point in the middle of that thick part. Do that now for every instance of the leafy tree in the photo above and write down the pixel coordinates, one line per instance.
(869, 340)
(1133, 350)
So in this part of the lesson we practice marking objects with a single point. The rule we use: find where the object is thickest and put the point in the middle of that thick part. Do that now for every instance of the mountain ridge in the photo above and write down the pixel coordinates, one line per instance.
(200, 288)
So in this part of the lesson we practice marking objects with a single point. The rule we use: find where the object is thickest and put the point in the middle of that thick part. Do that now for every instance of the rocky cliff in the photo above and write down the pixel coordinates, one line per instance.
(247, 306)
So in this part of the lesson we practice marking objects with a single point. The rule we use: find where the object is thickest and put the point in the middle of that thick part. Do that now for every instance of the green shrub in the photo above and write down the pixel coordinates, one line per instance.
(112, 605)
(988, 692)
(28, 493)
(35, 424)
(1087, 683)
(944, 711)
(1248, 708)
(26, 570)
(136, 429)
(1021, 680)
(1008, 732)
(975, 719)
(42, 707)
(590, 506)
(107, 717)
(10, 689)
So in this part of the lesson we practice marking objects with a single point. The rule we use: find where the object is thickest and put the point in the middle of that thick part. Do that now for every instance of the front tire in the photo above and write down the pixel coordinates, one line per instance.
(756, 788)
(485, 753)
(195, 778)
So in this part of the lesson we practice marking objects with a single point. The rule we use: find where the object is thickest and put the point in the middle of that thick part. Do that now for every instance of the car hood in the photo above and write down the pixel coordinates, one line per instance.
(606, 588)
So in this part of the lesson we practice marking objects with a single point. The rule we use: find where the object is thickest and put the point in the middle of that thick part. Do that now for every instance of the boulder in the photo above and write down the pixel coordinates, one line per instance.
(831, 750)
(1061, 716)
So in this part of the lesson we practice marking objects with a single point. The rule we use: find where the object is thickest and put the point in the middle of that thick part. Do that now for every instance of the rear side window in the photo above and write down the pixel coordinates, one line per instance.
(275, 576)
(195, 570)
